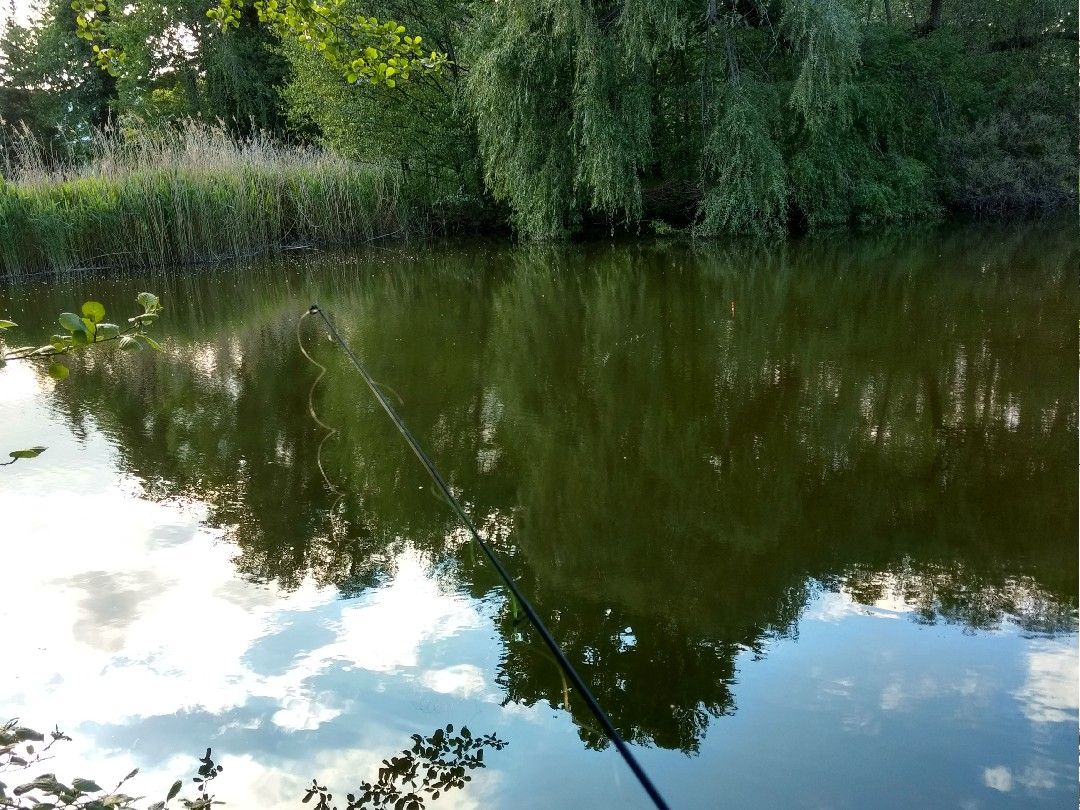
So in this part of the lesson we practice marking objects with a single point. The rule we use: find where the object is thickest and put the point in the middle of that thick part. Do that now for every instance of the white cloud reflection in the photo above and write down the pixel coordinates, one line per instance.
(123, 613)
(1034, 778)
(998, 778)
(461, 680)
(835, 606)
(1049, 693)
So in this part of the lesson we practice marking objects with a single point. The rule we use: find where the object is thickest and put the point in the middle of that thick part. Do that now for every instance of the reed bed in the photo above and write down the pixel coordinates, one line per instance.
(187, 195)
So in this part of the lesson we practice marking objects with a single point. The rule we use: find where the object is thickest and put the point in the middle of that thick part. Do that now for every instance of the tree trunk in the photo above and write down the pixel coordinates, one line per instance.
(933, 20)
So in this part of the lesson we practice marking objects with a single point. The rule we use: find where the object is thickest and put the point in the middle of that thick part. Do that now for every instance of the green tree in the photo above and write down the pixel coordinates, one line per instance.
(48, 85)
(559, 117)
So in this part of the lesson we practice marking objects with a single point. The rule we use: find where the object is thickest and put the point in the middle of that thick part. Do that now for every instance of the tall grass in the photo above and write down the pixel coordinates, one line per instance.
(190, 194)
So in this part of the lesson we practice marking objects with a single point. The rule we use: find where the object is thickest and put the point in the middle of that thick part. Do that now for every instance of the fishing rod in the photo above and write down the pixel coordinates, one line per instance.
(530, 613)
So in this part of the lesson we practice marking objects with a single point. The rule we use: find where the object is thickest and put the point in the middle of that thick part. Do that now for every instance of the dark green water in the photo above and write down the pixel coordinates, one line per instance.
(804, 516)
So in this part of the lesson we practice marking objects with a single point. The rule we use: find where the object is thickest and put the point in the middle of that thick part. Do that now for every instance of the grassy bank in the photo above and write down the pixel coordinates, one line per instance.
(188, 195)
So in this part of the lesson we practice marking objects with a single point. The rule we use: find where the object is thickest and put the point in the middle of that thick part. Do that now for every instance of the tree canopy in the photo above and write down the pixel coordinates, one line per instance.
(557, 116)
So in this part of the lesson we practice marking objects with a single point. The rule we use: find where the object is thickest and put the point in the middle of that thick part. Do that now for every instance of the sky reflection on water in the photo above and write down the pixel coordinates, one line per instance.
(801, 568)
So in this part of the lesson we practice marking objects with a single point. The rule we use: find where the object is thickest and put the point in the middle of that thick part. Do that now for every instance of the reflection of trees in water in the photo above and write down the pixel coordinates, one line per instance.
(734, 430)
(674, 445)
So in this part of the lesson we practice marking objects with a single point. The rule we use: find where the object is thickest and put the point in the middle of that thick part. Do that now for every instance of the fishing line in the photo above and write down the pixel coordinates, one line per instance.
(330, 431)
(517, 596)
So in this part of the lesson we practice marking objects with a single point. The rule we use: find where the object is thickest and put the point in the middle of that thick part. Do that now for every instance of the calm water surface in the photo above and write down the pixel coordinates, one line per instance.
(804, 516)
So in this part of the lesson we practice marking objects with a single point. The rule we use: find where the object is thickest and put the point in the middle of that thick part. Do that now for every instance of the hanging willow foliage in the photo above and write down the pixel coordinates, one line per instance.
(719, 116)
(747, 191)
(564, 119)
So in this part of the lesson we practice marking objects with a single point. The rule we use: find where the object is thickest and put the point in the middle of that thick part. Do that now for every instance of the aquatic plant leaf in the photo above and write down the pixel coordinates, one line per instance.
(72, 322)
(93, 311)
(148, 301)
(29, 452)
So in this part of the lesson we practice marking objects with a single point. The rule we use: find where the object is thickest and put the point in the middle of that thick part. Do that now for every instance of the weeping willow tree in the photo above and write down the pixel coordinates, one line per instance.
(564, 120)
(757, 117)
(585, 109)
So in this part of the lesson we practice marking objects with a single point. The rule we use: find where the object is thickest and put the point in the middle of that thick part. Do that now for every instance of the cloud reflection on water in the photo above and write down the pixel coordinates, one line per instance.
(867, 505)
(115, 646)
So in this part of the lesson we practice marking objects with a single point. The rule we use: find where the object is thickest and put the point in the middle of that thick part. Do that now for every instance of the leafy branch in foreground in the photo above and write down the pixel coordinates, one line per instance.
(19, 751)
(81, 332)
(434, 766)
(88, 329)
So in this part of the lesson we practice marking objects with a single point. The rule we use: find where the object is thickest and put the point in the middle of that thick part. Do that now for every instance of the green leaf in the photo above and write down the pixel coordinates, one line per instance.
(86, 786)
(148, 301)
(91, 330)
(106, 331)
(93, 311)
(153, 344)
(7, 324)
(61, 342)
(58, 371)
(174, 790)
(22, 733)
(130, 344)
(46, 783)
(30, 452)
(72, 322)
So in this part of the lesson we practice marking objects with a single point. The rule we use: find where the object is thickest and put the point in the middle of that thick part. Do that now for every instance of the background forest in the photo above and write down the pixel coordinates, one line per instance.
(558, 117)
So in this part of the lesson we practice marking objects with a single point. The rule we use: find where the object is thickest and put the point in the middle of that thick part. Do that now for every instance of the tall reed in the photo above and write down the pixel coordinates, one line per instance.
(189, 194)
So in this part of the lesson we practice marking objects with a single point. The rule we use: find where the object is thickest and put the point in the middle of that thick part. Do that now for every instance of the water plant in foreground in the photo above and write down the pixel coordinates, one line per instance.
(19, 750)
(433, 766)
(81, 332)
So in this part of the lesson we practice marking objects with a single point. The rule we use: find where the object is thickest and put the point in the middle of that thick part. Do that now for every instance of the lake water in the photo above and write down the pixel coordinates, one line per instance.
(804, 516)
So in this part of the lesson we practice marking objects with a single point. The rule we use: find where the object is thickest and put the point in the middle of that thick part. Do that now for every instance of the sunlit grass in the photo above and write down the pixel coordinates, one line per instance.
(191, 194)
